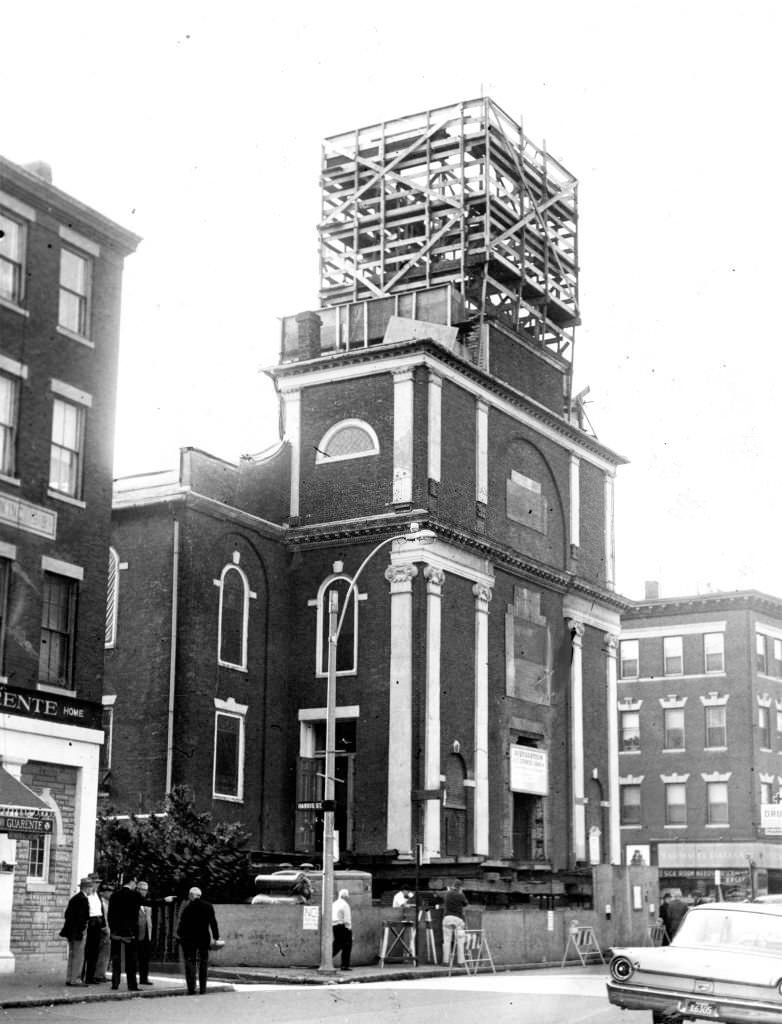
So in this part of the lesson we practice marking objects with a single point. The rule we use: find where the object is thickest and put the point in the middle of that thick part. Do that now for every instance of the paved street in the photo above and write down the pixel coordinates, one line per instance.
(544, 997)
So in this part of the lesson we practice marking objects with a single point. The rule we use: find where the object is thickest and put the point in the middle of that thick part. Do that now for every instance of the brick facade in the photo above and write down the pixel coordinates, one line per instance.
(55, 512)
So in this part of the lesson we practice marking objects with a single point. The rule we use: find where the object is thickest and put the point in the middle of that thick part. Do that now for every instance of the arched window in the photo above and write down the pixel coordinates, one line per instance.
(348, 439)
(347, 644)
(233, 616)
(112, 599)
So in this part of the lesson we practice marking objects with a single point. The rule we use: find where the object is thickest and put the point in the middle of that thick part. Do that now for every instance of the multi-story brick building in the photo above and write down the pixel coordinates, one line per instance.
(700, 727)
(60, 277)
(476, 673)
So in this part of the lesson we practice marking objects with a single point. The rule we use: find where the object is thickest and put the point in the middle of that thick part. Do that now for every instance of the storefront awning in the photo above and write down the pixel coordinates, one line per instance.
(22, 812)
(14, 794)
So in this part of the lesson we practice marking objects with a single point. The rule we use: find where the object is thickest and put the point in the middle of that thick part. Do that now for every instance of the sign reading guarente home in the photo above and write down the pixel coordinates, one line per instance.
(50, 707)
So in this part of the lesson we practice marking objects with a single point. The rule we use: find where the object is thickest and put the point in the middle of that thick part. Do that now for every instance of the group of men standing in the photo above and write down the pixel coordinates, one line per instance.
(102, 925)
(99, 924)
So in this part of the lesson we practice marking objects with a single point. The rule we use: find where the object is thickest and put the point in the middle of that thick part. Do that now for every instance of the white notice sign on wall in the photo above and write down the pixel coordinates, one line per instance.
(528, 770)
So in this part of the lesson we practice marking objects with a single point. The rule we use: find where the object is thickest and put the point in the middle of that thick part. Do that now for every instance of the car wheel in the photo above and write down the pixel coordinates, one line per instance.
(666, 1017)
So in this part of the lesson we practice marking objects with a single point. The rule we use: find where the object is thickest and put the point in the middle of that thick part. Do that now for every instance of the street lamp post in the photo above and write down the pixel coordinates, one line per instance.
(335, 626)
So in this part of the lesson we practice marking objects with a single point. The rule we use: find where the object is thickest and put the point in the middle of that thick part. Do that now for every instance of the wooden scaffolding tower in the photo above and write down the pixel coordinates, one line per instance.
(455, 195)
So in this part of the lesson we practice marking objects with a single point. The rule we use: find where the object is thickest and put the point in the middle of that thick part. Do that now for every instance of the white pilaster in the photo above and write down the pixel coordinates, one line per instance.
(577, 741)
(609, 530)
(481, 726)
(8, 853)
(482, 452)
(403, 435)
(575, 500)
(434, 426)
(614, 834)
(292, 400)
(434, 588)
(400, 708)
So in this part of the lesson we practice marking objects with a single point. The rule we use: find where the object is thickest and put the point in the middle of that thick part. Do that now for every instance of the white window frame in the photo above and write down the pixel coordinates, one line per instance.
(108, 702)
(673, 643)
(623, 659)
(112, 600)
(43, 877)
(19, 215)
(234, 566)
(623, 729)
(321, 452)
(669, 789)
(624, 788)
(65, 395)
(723, 708)
(85, 298)
(674, 711)
(230, 709)
(710, 783)
(761, 652)
(321, 648)
(764, 711)
(718, 640)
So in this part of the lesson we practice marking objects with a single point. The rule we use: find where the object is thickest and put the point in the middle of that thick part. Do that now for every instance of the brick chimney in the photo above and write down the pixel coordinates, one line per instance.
(652, 590)
(309, 325)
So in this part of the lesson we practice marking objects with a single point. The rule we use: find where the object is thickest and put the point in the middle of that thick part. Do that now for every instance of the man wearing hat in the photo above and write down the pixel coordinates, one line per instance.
(96, 925)
(77, 914)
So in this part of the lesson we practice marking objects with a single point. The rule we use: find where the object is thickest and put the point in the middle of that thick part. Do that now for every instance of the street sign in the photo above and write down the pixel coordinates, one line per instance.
(310, 805)
(21, 823)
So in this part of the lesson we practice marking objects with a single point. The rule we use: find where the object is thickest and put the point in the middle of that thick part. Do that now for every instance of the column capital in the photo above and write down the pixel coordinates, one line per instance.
(401, 576)
(482, 593)
(435, 378)
(577, 630)
(434, 579)
(402, 374)
(611, 641)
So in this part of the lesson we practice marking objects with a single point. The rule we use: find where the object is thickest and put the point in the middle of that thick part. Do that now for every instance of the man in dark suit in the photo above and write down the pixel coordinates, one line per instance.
(196, 922)
(77, 914)
(124, 906)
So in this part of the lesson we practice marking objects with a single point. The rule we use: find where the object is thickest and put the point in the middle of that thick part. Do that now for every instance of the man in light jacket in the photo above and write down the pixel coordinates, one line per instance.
(342, 929)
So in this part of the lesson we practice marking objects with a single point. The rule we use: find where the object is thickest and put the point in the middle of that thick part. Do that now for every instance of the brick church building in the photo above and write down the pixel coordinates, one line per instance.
(476, 668)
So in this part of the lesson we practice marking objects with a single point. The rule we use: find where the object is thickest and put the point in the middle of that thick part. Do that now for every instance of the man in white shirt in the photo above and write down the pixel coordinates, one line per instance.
(342, 929)
(402, 899)
(96, 925)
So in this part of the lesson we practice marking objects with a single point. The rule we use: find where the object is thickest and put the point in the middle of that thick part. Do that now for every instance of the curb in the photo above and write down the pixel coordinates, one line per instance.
(20, 1002)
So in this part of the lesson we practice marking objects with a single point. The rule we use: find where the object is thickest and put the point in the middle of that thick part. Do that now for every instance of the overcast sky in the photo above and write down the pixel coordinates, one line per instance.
(199, 126)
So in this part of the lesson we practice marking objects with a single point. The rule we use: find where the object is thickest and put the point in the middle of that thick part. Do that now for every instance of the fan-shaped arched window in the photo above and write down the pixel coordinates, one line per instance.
(112, 599)
(233, 616)
(348, 439)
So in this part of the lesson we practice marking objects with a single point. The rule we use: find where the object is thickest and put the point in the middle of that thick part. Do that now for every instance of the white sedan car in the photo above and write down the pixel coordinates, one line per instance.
(724, 964)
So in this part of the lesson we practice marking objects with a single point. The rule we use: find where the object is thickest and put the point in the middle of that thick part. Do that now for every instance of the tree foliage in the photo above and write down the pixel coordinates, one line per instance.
(174, 850)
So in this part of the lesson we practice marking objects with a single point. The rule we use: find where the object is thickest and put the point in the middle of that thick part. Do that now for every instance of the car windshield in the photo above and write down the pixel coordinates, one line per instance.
(730, 928)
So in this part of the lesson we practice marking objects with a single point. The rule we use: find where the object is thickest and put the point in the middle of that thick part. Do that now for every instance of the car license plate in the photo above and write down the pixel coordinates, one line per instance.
(698, 1009)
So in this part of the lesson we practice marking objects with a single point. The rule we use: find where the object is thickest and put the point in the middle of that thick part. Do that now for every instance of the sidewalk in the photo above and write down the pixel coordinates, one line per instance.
(48, 989)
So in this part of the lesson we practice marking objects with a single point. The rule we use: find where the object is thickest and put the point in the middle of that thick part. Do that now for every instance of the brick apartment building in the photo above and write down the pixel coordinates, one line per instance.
(700, 727)
(60, 277)
(476, 672)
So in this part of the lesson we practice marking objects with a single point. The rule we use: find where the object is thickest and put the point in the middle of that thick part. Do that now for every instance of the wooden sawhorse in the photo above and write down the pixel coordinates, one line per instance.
(398, 935)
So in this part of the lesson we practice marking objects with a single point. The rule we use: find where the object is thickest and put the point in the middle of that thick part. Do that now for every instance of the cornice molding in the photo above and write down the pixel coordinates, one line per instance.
(387, 358)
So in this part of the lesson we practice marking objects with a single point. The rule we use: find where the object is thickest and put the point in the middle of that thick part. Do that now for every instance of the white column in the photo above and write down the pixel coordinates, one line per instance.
(8, 853)
(614, 833)
(577, 741)
(403, 435)
(609, 530)
(482, 452)
(292, 400)
(481, 727)
(400, 710)
(575, 500)
(434, 426)
(434, 588)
